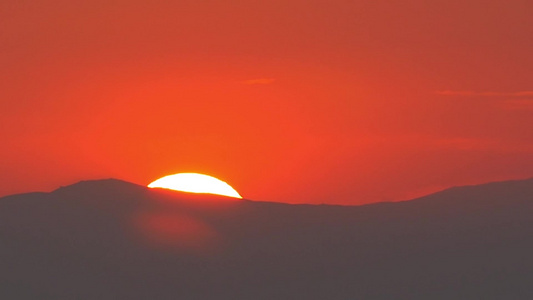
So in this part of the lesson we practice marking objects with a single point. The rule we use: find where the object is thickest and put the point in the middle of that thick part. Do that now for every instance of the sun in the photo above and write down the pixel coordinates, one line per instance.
(195, 183)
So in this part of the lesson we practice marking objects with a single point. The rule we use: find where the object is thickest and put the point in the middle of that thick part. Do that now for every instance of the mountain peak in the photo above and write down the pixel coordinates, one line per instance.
(112, 183)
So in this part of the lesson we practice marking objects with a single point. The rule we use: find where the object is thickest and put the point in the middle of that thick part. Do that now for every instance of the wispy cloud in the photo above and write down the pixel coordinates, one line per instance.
(258, 81)
(521, 100)
(486, 94)
(432, 143)
(481, 144)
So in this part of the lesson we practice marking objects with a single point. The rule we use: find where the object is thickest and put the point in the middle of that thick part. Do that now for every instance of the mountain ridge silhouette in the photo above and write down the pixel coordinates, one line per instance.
(111, 239)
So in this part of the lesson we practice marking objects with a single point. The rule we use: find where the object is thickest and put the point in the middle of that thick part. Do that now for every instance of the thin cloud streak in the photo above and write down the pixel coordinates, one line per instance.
(485, 94)
(258, 81)
(430, 143)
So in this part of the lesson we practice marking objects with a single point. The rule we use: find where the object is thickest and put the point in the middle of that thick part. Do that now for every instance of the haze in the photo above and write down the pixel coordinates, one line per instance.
(293, 101)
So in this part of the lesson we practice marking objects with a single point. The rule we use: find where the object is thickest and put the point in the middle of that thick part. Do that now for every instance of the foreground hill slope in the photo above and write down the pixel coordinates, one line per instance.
(110, 239)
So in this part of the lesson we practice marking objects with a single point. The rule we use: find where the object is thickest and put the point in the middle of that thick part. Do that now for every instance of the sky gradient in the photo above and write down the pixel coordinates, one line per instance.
(345, 102)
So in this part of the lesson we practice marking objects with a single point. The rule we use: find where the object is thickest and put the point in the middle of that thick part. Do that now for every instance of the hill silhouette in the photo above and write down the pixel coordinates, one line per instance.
(110, 239)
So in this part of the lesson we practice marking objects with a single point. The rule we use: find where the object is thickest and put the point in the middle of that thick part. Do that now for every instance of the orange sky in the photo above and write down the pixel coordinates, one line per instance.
(297, 101)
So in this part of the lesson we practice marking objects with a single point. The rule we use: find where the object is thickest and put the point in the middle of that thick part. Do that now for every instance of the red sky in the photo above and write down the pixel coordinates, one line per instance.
(297, 101)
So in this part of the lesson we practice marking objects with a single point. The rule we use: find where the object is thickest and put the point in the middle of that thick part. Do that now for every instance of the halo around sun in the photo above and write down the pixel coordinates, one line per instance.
(195, 183)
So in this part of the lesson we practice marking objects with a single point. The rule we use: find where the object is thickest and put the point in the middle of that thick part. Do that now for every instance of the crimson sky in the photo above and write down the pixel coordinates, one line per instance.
(298, 101)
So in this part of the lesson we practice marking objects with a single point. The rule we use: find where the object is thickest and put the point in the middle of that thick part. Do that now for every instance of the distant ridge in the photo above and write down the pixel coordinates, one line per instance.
(461, 191)
(101, 185)
(102, 182)
(495, 186)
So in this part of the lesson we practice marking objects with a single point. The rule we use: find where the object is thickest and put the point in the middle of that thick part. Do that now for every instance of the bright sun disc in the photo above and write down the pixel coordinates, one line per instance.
(195, 183)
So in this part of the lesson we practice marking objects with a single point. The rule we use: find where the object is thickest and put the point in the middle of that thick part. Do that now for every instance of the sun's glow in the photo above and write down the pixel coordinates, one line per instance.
(195, 183)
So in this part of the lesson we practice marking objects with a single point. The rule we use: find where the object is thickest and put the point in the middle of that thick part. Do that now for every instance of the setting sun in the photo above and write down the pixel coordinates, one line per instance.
(195, 183)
